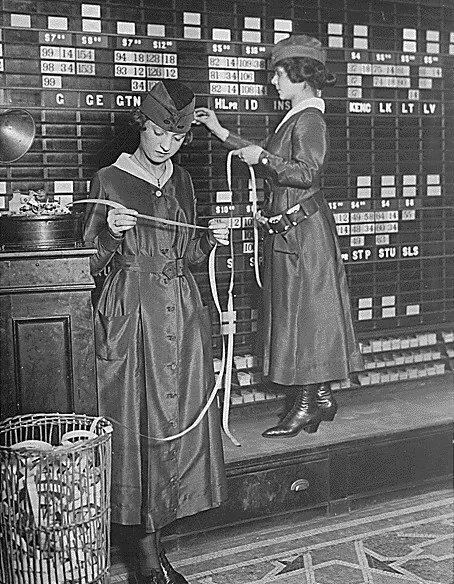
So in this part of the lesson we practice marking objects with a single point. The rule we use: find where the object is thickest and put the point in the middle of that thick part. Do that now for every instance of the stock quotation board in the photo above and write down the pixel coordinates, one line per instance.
(80, 67)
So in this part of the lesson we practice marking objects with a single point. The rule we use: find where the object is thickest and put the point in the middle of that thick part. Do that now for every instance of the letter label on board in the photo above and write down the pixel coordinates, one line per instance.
(359, 107)
(95, 100)
(220, 103)
(251, 104)
(386, 252)
(361, 254)
(408, 108)
(128, 101)
(385, 107)
(409, 251)
(429, 108)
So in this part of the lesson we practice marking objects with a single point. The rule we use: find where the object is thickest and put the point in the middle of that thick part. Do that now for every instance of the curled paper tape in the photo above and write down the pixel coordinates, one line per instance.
(76, 436)
(32, 445)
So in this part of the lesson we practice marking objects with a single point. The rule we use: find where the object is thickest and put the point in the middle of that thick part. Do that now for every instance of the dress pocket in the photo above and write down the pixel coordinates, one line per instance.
(112, 335)
(286, 242)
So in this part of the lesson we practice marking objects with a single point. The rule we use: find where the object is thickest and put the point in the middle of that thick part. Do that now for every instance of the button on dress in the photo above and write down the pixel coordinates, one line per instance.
(153, 351)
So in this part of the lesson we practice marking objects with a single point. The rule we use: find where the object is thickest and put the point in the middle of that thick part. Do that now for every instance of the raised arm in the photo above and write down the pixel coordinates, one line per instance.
(309, 150)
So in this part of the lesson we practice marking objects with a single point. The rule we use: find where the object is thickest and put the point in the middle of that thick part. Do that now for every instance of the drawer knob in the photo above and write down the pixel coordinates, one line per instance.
(300, 485)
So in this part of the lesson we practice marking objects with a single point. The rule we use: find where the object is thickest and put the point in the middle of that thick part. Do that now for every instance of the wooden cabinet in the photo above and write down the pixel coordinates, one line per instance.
(260, 489)
(47, 359)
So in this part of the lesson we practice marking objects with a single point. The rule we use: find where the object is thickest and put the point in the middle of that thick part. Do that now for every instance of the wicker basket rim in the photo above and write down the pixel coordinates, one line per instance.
(29, 420)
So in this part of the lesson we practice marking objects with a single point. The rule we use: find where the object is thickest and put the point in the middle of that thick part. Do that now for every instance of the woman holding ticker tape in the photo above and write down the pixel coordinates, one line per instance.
(309, 339)
(153, 333)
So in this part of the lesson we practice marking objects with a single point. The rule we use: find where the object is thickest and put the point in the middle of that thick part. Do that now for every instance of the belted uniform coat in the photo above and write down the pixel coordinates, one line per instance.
(153, 350)
(307, 320)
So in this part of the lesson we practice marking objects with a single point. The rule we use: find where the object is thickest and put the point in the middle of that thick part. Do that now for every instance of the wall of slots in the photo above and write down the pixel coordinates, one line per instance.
(78, 67)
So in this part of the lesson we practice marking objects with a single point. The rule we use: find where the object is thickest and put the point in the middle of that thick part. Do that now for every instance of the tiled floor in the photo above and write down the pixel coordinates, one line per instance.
(405, 541)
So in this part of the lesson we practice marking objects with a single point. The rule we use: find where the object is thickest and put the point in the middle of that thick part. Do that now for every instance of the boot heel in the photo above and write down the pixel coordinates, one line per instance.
(311, 428)
(328, 416)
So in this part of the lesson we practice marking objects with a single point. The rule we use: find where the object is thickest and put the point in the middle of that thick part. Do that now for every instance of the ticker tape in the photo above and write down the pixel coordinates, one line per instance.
(227, 318)
(255, 226)
(230, 330)
(225, 359)
(116, 205)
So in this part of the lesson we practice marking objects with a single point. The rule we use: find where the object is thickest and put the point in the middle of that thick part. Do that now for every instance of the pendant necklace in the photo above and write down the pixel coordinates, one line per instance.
(156, 178)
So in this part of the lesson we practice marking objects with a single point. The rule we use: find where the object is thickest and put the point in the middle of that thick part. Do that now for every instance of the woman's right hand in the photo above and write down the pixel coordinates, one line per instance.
(120, 220)
(208, 118)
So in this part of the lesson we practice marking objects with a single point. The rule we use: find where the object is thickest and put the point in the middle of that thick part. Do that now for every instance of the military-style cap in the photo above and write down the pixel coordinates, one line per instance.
(170, 105)
(298, 45)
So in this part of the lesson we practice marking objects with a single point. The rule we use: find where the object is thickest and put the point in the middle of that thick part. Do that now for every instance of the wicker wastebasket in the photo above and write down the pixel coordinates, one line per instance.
(55, 499)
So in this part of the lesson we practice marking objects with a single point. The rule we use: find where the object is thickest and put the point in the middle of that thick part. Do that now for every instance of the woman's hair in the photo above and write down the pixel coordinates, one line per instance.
(139, 119)
(301, 69)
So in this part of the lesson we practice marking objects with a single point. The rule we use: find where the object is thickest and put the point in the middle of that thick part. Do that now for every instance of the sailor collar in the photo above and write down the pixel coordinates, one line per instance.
(127, 163)
(316, 102)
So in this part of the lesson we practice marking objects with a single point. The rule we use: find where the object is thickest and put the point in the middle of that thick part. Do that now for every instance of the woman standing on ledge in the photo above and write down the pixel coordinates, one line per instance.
(153, 334)
(309, 338)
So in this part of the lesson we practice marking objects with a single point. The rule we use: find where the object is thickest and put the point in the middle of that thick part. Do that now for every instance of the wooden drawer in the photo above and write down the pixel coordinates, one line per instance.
(275, 490)
(254, 494)
(39, 273)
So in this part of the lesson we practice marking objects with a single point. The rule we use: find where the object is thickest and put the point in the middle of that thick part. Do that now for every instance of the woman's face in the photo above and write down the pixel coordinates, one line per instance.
(158, 144)
(285, 88)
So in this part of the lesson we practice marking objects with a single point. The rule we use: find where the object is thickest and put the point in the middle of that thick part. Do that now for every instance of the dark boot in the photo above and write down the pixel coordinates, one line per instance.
(170, 574)
(291, 393)
(304, 415)
(326, 402)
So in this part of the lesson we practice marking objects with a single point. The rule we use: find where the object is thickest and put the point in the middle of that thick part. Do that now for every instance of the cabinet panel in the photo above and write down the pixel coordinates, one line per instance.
(386, 466)
(47, 357)
(42, 355)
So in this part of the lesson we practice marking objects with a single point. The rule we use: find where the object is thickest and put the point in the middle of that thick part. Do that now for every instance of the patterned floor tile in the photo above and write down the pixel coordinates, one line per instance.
(292, 564)
(384, 578)
(381, 565)
(241, 575)
(431, 571)
(338, 573)
(402, 542)
(346, 551)
(429, 530)
(443, 547)
(392, 545)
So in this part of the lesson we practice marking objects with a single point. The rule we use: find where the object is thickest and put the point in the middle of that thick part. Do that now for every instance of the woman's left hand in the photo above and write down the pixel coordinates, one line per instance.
(249, 154)
(260, 218)
(218, 231)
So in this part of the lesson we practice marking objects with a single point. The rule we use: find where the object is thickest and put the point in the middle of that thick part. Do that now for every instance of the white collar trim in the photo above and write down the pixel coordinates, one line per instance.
(127, 163)
(316, 102)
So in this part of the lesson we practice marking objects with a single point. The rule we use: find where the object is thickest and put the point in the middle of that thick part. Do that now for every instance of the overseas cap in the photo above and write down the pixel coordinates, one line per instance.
(298, 45)
(170, 105)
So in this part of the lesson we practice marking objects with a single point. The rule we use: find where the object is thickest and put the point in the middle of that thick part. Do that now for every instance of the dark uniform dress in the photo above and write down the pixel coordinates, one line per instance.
(153, 350)
(308, 329)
